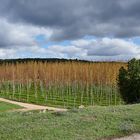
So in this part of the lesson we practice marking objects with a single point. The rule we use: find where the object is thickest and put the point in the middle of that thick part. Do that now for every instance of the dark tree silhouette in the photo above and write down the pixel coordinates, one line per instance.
(129, 82)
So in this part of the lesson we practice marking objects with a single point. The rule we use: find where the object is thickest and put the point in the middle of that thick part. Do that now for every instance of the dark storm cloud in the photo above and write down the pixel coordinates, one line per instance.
(72, 19)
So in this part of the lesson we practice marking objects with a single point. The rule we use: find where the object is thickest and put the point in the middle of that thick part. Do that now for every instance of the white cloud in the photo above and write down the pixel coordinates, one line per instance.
(19, 40)
(105, 49)
(67, 51)
(113, 47)
(7, 53)
(82, 42)
(12, 34)
(109, 48)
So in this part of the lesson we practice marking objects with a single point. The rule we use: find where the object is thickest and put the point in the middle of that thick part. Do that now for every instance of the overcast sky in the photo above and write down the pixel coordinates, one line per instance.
(83, 29)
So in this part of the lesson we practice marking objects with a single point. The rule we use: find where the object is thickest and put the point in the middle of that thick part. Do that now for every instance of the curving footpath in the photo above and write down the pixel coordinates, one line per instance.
(131, 137)
(30, 107)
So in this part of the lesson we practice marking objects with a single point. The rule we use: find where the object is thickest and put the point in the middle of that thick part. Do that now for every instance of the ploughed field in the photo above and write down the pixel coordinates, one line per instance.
(64, 84)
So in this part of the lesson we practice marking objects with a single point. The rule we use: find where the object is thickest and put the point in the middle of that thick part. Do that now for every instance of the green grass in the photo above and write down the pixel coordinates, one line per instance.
(66, 96)
(84, 124)
(7, 106)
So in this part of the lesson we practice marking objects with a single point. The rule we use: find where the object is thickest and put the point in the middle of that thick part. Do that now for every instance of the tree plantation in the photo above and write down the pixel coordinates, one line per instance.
(61, 83)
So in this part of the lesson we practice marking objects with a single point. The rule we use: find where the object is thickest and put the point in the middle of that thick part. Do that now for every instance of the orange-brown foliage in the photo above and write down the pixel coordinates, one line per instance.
(64, 72)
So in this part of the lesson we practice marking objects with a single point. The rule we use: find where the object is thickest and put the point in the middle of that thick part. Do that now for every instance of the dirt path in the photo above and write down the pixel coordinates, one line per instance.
(29, 107)
(131, 137)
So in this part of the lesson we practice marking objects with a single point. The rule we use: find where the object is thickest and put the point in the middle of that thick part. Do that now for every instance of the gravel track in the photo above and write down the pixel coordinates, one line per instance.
(29, 107)
(131, 137)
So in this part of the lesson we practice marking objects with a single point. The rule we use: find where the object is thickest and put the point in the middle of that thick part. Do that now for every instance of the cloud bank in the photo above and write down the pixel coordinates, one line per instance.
(113, 24)
(105, 49)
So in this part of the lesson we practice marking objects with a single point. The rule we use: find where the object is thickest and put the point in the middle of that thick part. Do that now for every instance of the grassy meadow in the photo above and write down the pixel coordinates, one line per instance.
(91, 123)
(7, 106)
(64, 84)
